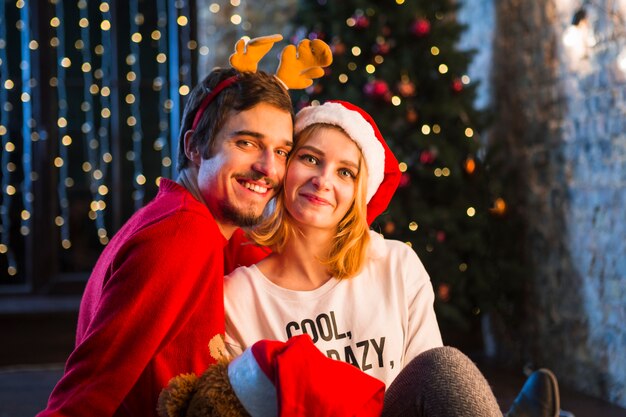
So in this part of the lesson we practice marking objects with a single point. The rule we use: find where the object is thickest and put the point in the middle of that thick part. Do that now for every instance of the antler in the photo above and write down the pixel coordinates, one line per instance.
(248, 54)
(298, 67)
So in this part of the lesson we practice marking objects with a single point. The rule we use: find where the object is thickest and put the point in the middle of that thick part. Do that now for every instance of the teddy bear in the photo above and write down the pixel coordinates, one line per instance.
(209, 395)
(273, 378)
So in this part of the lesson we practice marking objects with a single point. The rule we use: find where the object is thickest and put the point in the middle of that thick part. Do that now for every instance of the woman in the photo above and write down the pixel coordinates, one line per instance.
(363, 299)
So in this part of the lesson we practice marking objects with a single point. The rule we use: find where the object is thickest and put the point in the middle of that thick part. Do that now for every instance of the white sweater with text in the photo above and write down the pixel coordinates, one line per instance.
(378, 320)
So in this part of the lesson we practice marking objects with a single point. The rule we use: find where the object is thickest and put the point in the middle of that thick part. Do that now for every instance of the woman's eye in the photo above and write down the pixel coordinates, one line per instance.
(347, 173)
(308, 158)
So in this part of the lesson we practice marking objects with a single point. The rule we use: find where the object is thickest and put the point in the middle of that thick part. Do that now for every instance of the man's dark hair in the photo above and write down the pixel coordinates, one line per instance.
(249, 90)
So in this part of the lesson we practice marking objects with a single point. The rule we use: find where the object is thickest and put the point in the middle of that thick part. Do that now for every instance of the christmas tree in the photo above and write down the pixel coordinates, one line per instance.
(400, 61)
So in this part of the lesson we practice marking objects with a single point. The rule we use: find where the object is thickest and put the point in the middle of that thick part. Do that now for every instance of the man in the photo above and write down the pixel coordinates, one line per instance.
(154, 300)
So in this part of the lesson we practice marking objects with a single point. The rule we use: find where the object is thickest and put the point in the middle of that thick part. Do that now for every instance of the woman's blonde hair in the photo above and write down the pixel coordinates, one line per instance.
(349, 246)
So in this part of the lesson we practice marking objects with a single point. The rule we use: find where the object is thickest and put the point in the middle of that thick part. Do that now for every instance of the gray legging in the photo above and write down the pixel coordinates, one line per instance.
(440, 382)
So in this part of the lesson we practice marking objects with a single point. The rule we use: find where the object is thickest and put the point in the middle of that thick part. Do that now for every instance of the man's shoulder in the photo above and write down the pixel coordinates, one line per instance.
(174, 206)
(166, 224)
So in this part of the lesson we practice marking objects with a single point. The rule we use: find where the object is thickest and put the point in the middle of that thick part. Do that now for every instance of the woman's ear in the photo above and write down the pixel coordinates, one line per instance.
(191, 149)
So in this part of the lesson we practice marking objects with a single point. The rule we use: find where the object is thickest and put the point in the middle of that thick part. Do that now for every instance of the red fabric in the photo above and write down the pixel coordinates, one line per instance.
(379, 202)
(241, 251)
(209, 98)
(152, 304)
(311, 385)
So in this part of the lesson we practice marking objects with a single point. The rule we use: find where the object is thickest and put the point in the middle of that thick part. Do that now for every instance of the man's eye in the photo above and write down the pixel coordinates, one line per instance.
(245, 143)
(283, 153)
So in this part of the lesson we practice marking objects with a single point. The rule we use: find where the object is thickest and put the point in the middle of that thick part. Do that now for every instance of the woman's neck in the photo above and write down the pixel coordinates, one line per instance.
(298, 267)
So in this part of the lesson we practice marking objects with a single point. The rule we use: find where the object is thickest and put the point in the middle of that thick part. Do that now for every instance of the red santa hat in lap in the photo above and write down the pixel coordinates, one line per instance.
(382, 165)
(271, 379)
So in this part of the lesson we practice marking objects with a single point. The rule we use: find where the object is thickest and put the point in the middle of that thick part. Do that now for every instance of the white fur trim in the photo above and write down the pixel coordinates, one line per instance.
(359, 130)
(255, 391)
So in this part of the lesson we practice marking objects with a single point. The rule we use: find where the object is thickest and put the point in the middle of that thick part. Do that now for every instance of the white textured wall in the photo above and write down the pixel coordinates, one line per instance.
(562, 111)
(479, 16)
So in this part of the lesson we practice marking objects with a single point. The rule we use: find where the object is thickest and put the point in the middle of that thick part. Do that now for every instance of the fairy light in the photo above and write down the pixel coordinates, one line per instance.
(7, 166)
(162, 144)
(135, 106)
(81, 138)
(59, 162)
(184, 39)
(89, 126)
(27, 122)
(105, 50)
(174, 110)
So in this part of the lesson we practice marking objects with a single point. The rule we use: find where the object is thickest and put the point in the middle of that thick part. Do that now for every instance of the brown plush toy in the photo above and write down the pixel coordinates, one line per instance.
(270, 378)
(209, 395)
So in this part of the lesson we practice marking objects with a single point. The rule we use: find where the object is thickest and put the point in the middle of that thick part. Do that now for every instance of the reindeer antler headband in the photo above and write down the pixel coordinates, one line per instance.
(297, 69)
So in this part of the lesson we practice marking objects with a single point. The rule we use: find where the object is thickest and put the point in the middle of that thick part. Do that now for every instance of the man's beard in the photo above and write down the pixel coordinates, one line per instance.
(239, 217)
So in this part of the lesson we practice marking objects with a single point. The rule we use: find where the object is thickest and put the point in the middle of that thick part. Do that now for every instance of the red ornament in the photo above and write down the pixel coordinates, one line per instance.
(457, 85)
(411, 116)
(405, 180)
(314, 89)
(499, 207)
(421, 27)
(381, 48)
(338, 48)
(361, 22)
(302, 103)
(427, 157)
(441, 236)
(406, 88)
(377, 89)
(443, 292)
(469, 165)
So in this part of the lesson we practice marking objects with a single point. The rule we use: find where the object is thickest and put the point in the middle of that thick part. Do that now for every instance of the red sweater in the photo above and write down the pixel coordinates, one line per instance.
(152, 304)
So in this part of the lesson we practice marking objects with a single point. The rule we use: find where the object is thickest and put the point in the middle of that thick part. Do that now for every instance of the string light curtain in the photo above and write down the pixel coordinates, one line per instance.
(60, 161)
(114, 74)
(7, 165)
(92, 161)
(161, 144)
(134, 100)
(28, 123)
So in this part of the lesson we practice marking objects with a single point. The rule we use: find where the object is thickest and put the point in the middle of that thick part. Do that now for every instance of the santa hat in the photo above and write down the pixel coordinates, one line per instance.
(382, 165)
(294, 378)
